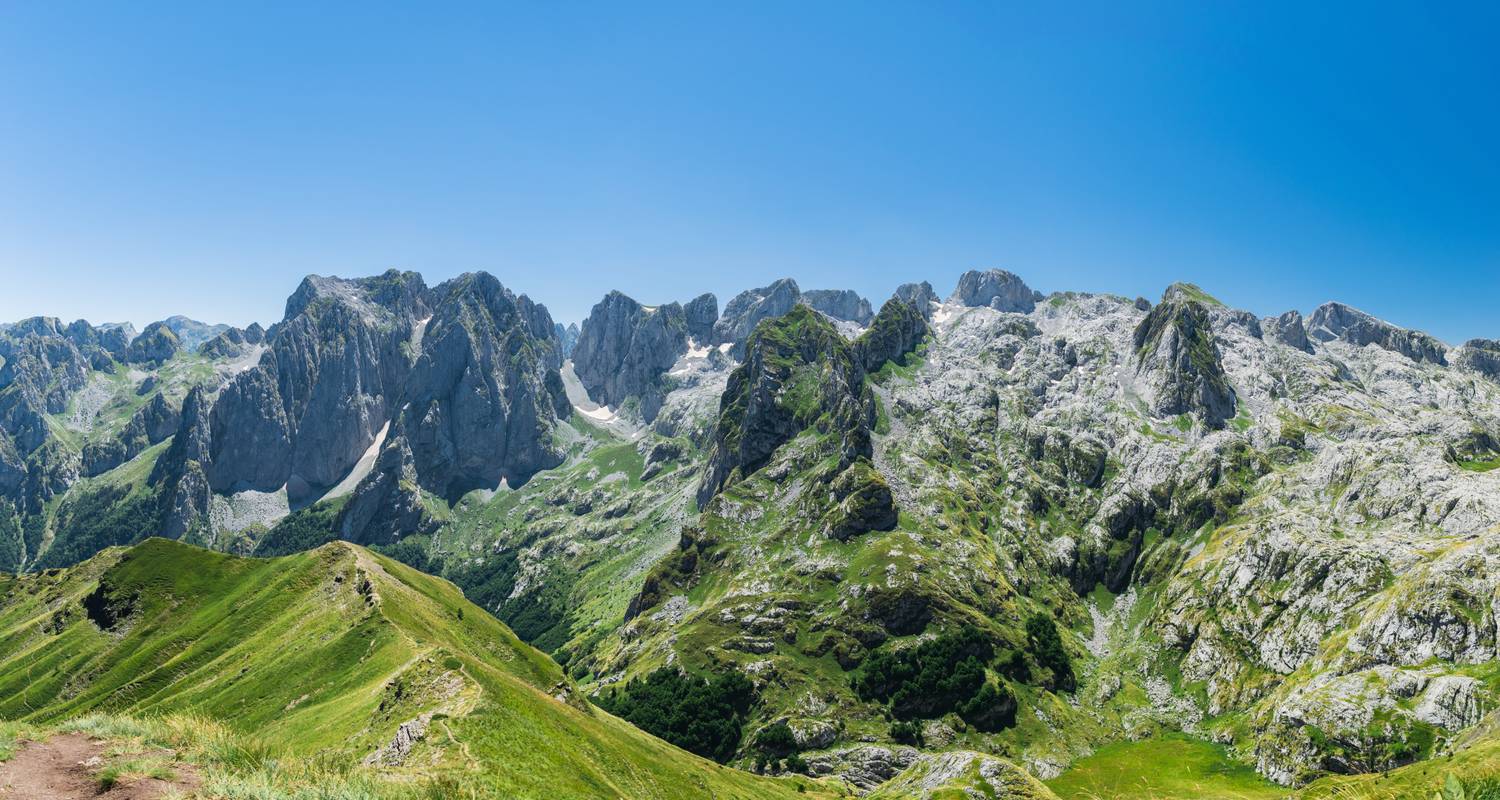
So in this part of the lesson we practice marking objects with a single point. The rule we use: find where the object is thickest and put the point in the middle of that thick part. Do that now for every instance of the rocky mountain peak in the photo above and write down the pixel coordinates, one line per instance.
(748, 308)
(919, 296)
(191, 334)
(325, 386)
(1338, 322)
(567, 337)
(701, 313)
(155, 346)
(403, 294)
(485, 394)
(1179, 360)
(1287, 329)
(997, 289)
(842, 304)
(1481, 356)
(625, 348)
(798, 372)
(894, 332)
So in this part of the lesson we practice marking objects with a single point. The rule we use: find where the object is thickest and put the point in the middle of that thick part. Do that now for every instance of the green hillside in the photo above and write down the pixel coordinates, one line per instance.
(324, 655)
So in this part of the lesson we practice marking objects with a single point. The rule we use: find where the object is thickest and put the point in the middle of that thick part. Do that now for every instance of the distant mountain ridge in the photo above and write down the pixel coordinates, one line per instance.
(1279, 533)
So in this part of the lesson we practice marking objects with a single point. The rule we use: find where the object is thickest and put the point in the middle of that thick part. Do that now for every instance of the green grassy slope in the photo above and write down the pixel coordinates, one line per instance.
(326, 654)
(1163, 768)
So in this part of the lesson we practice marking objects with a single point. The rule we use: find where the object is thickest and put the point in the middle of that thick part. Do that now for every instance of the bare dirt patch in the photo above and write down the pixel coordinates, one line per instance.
(67, 767)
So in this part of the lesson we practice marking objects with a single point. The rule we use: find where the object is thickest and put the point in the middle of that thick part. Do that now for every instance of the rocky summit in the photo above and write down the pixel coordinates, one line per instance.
(994, 545)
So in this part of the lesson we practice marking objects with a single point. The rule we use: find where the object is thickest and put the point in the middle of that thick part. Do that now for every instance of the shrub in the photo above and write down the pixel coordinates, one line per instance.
(907, 732)
(1047, 647)
(794, 763)
(928, 680)
(991, 709)
(776, 740)
(700, 715)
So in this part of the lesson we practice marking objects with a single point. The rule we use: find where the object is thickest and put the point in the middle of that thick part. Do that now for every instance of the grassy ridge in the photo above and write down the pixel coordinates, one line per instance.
(321, 656)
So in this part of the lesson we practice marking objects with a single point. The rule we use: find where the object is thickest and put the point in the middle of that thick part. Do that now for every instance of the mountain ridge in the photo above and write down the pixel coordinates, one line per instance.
(1275, 532)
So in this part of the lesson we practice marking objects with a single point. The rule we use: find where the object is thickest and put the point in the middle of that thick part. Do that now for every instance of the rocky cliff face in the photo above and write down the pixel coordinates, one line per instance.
(154, 347)
(1337, 321)
(326, 385)
(919, 296)
(484, 395)
(844, 304)
(625, 349)
(1287, 329)
(799, 372)
(185, 494)
(894, 332)
(1481, 356)
(701, 313)
(1179, 361)
(748, 308)
(997, 289)
(567, 338)
(1279, 534)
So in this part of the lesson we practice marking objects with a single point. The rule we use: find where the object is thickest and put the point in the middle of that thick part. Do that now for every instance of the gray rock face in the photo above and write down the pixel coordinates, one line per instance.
(185, 493)
(484, 395)
(1180, 363)
(1287, 329)
(116, 338)
(567, 338)
(41, 372)
(155, 346)
(228, 344)
(997, 289)
(1481, 356)
(844, 304)
(153, 423)
(385, 506)
(1336, 321)
(919, 296)
(190, 333)
(254, 333)
(322, 391)
(894, 332)
(748, 308)
(789, 360)
(866, 766)
(701, 313)
(625, 349)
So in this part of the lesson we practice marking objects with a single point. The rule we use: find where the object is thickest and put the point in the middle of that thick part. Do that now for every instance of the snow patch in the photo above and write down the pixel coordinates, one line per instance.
(361, 467)
(601, 413)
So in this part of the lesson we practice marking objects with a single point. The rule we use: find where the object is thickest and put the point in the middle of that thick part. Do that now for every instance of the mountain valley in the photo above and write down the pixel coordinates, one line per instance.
(994, 545)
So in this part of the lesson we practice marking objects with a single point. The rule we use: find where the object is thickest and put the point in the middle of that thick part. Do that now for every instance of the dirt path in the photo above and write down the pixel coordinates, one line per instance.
(64, 768)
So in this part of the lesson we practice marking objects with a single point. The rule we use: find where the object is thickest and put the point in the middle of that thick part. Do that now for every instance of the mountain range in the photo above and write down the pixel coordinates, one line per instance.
(916, 548)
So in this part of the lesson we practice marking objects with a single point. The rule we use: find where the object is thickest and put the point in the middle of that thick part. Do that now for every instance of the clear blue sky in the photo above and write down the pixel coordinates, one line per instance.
(200, 159)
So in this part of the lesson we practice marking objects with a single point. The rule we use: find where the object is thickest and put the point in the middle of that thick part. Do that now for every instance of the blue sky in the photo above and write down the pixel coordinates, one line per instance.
(201, 158)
